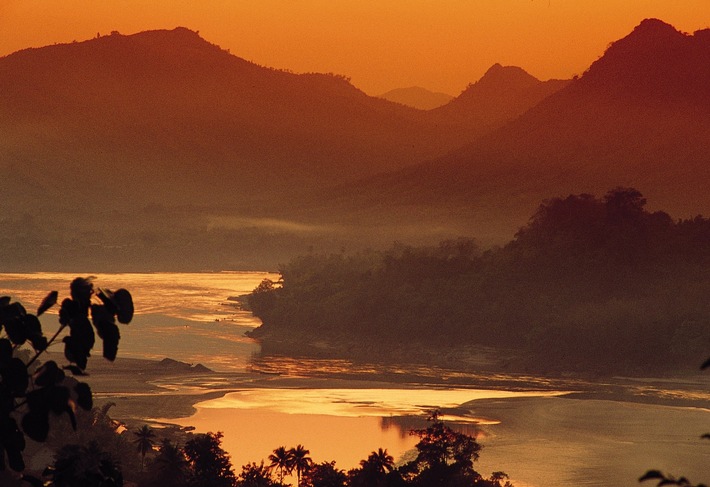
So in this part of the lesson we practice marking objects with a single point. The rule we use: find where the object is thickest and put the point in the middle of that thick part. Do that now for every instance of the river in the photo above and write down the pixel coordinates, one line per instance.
(603, 433)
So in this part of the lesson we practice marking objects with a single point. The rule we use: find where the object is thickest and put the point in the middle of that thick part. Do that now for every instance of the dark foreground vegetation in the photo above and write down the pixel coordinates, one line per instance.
(102, 453)
(594, 285)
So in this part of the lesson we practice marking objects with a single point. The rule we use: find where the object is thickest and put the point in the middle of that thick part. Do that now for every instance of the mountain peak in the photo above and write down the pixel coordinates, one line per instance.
(654, 27)
(498, 75)
(655, 60)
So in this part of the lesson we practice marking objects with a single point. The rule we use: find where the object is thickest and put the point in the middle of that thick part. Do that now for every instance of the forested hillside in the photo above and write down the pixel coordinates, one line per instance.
(590, 284)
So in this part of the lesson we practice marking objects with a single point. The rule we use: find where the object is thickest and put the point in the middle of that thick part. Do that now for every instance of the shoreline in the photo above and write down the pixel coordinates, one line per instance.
(152, 391)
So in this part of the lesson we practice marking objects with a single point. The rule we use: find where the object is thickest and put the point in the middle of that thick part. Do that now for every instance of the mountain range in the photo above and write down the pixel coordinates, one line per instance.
(139, 150)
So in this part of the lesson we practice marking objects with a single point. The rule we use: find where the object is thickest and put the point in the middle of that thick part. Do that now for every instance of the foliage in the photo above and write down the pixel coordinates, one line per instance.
(444, 457)
(590, 270)
(88, 466)
(324, 474)
(282, 459)
(254, 475)
(37, 393)
(170, 467)
(300, 461)
(209, 463)
(144, 441)
(377, 470)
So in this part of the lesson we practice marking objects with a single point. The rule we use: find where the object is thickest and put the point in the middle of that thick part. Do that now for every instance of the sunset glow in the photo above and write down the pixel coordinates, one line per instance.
(380, 45)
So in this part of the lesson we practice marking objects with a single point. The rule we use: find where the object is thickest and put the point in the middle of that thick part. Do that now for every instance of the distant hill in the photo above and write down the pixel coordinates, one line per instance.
(502, 94)
(160, 150)
(160, 144)
(640, 116)
(417, 97)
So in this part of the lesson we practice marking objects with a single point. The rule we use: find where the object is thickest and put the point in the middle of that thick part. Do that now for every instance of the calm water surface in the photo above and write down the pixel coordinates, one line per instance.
(540, 439)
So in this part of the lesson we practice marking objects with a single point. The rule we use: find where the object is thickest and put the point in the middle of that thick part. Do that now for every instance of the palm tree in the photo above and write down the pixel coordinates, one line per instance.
(144, 441)
(170, 466)
(283, 460)
(378, 461)
(300, 461)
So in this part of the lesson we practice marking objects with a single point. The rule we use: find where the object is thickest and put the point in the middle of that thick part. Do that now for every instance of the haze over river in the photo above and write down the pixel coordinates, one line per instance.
(541, 431)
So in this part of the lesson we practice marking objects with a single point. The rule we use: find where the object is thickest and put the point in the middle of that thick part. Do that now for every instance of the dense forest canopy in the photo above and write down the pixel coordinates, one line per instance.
(589, 284)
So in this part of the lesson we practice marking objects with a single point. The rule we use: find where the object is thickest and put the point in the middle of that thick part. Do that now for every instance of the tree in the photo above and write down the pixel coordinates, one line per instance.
(378, 461)
(144, 441)
(170, 466)
(373, 470)
(444, 456)
(86, 466)
(282, 459)
(209, 463)
(324, 475)
(254, 475)
(300, 461)
(50, 391)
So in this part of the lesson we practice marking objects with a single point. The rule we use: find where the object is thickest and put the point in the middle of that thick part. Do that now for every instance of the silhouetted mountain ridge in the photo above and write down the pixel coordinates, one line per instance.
(501, 95)
(638, 117)
(161, 140)
(656, 63)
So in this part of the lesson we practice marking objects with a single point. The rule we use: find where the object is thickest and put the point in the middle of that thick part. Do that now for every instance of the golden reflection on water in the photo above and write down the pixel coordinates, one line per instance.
(196, 296)
(360, 402)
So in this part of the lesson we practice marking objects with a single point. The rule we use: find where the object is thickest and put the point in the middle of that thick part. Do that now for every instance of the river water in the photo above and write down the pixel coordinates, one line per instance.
(529, 426)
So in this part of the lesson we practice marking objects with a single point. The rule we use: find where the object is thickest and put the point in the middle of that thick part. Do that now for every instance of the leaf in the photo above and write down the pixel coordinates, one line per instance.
(75, 353)
(84, 399)
(705, 365)
(5, 351)
(35, 424)
(14, 377)
(4, 301)
(12, 317)
(651, 474)
(33, 329)
(48, 301)
(58, 399)
(706, 436)
(106, 297)
(111, 338)
(107, 330)
(81, 289)
(48, 374)
(14, 442)
(124, 303)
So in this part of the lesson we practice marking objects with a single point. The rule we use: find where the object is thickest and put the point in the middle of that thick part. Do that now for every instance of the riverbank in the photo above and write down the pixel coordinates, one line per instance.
(569, 431)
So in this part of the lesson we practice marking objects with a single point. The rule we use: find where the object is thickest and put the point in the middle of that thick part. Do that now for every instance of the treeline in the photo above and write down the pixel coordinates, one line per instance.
(589, 284)
(103, 453)
(444, 458)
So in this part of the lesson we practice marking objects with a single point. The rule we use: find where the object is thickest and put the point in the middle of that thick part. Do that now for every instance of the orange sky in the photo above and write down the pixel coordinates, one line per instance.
(381, 44)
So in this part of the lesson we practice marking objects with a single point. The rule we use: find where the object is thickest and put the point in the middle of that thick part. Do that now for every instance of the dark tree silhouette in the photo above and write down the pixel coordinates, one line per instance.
(209, 463)
(254, 475)
(170, 467)
(445, 459)
(144, 441)
(85, 466)
(282, 459)
(324, 475)
(300, 461)
(51, 392)
(374, 470)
